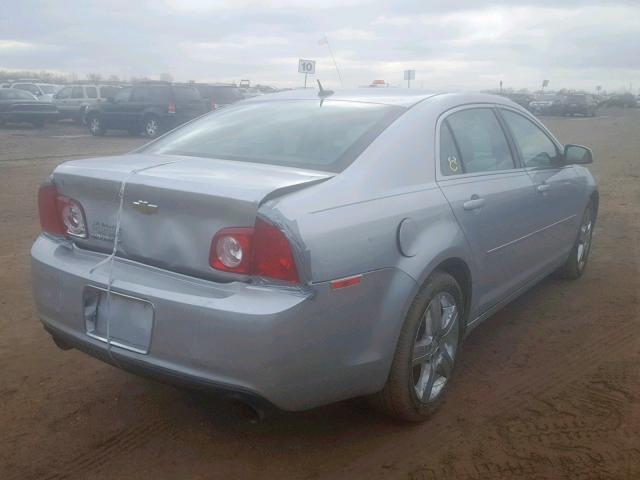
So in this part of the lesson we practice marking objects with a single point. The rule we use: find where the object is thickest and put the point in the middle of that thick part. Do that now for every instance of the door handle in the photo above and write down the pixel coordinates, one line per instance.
(474, 203)
(543, 187)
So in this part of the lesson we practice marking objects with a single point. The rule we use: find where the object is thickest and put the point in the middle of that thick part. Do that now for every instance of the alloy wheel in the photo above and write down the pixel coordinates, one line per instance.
(435, 347)
(151, 127)
(584, 239)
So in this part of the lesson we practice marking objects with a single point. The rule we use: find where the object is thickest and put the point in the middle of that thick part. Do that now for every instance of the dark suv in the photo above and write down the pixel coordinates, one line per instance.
(580, 103)
(148, 108)
(219, 95)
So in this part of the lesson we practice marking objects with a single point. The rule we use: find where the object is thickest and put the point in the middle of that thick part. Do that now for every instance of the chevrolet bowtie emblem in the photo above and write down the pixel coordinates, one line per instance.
(144, 207)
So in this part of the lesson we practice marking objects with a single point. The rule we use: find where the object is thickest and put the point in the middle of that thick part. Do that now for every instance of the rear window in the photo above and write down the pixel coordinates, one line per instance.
(186, 94)
(310, 134)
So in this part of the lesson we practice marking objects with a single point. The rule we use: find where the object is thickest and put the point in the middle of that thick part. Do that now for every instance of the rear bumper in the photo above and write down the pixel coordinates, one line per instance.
(294, 350)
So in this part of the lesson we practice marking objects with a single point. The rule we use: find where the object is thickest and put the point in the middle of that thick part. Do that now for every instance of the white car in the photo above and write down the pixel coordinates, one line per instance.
(43, 91)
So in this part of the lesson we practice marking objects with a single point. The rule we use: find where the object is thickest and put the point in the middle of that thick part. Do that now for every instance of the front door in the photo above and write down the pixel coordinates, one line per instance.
(556, 187)
(491, 197)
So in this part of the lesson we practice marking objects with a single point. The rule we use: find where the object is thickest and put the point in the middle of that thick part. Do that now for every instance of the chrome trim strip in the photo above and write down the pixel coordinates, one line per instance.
(530, 234)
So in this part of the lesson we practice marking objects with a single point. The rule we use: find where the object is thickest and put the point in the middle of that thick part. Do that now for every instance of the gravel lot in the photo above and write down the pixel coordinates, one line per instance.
(547, 388)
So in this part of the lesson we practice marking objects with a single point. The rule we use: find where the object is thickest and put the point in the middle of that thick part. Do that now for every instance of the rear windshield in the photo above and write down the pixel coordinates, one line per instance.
(300, 133)
(186, 94)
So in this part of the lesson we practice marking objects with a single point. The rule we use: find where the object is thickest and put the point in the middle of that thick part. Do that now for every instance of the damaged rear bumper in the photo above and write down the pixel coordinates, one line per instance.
(295, 349)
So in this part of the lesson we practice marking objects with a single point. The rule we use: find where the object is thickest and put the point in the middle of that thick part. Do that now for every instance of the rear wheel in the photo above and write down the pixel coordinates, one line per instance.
(151, 126)
(576, 263)
(426, 351)
(94, 122)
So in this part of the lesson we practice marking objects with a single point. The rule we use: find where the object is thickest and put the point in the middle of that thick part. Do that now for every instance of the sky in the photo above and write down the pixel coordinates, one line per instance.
(454, 45)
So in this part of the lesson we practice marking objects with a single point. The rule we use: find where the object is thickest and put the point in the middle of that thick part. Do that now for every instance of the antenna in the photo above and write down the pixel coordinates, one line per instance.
(323, 93)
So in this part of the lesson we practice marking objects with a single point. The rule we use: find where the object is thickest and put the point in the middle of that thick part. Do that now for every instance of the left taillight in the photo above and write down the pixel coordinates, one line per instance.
(60, 215)
(263, 250)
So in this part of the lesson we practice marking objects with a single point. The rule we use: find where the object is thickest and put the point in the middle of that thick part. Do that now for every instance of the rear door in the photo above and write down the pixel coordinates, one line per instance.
(556, 187)
(189, 104)
(491, 196)
(114, 112)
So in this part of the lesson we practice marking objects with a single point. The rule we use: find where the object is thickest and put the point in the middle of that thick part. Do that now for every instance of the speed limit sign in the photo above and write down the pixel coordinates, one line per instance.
(306, 66)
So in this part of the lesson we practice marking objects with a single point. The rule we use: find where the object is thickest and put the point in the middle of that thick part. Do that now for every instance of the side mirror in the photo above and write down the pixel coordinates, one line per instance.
(577, 154)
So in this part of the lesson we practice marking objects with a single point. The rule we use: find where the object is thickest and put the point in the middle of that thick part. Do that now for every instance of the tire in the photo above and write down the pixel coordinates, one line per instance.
(151, 126)
(420, 348)
(576, 263)
(94, 122)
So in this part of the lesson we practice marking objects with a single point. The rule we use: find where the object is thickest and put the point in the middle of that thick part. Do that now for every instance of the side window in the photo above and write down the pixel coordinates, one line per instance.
(140, 94)
(123, 95)
(64, 93)
(91, 92)
(106, 92)
(535, 146)
(450, 163)
(77, 92)
(480, 138)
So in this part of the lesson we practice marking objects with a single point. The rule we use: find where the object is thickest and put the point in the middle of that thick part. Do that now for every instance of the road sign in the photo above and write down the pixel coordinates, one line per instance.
(409, 75)
(306, 66)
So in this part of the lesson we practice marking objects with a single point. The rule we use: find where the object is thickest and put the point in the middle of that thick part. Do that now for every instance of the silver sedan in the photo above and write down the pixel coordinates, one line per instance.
(302, 248)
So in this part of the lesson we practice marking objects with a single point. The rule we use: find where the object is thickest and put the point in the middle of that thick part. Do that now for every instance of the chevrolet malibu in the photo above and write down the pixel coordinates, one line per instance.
(298, 249)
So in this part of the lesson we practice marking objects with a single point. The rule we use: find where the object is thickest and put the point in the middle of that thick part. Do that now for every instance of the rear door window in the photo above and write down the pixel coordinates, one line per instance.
(77, 92)
(106, 92)
(186, 94)
(481, 141)
(91, 92)
(536, 148)
(123, 95)
(141, 94)
(450, 163)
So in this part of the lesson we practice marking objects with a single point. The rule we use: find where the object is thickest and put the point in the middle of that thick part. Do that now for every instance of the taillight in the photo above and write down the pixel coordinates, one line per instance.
(213, 104)
(50, 220)
(263, 250)
(231, 250)
(272, 255)
(60, 215)
(171, 108)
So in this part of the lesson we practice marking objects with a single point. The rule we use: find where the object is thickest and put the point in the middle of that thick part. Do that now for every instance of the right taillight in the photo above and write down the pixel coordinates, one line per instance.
(60, 215)
(263, 250)
(272, 255)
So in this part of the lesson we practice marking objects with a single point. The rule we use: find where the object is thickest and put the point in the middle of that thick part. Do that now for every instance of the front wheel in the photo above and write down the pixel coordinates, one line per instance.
(151, 126)
(575, 265)
(426, 351)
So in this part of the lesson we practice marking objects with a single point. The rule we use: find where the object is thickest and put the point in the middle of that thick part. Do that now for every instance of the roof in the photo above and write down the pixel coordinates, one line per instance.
(403, 97)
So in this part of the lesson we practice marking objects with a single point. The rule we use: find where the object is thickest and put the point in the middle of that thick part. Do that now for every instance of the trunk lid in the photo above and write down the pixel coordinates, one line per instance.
(173, 205)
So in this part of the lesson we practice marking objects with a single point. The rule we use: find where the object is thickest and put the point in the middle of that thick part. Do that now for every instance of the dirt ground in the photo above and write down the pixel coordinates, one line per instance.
(548, 388)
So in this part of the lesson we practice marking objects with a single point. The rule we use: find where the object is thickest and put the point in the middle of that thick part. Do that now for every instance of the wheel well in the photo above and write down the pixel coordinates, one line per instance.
(459, 270)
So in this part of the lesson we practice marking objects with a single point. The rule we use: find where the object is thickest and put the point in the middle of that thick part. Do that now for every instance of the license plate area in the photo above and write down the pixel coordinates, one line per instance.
(129, 319)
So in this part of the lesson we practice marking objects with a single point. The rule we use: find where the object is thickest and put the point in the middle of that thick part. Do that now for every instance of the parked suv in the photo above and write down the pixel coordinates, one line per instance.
(581, 103)
(74, 100)
(149, 108)
(219, 95)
